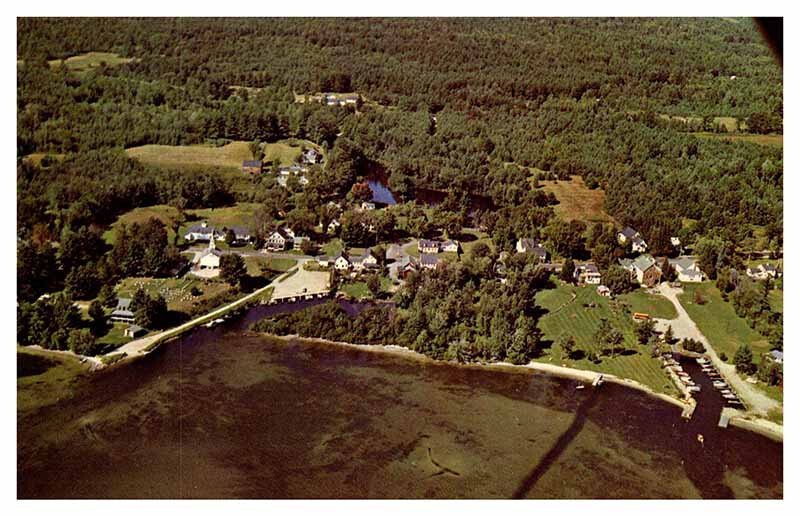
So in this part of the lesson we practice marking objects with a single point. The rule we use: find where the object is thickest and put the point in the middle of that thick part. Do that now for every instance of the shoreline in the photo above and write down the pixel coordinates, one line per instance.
(581, 375)
(763, 427)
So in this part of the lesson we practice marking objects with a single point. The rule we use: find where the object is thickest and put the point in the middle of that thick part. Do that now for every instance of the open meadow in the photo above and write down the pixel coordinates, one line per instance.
(718, 321)
(229, 156)
(85, 62)
(576, 201)
(568, 314)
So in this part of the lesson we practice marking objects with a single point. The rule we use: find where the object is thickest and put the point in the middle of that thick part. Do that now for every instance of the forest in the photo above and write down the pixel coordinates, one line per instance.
(463, 106)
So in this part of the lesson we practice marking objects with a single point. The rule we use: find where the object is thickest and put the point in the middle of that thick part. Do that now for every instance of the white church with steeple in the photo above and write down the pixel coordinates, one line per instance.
(209, 259)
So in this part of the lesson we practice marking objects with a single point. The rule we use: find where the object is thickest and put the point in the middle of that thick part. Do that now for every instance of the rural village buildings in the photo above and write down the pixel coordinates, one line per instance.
(643, 269)
(123, 312)
(587, 273)
(534, 247)
(763, 271)
(628, 234)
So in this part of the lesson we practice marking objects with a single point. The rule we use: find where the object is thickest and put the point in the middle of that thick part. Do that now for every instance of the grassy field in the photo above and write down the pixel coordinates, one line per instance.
(776, 300)
(717, 320)
(256, 263)
(85, 62)
(333, 247)
(359, 290)
(176, 292)
(166, 214)
(572, 318)
(774, 140)
(577, 201)
(654, 305)
(228, 156)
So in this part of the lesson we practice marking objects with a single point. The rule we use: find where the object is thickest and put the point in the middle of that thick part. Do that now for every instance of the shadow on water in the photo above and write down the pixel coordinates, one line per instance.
(558, 448)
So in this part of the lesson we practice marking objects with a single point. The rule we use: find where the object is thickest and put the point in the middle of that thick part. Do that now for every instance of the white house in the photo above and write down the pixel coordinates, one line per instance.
(587, 273)
(365, 261)
(450, 246)
(534, 247)
(279, 240)
(341, 262)
(428, 246)
(202, 232)
(763, 271)
(687, 269)
(628, 234)
(367, 206)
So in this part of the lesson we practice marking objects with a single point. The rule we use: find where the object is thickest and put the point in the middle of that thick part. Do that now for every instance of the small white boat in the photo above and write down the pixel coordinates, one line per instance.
(693, 388)
(730, 396)
(702, 361)
(219, 321)
(720, 385)
(209, 324)
(580, 387)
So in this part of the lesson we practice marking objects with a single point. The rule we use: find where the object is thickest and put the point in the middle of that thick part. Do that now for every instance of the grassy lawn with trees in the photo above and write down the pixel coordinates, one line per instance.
(566, 317)
(168, 215)
(718, 321)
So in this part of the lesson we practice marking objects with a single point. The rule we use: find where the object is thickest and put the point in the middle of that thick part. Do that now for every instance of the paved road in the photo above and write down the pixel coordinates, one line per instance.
(252, 252)
(684, 326)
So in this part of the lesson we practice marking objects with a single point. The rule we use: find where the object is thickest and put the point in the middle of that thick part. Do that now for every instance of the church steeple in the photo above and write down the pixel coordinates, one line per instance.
(211, 244)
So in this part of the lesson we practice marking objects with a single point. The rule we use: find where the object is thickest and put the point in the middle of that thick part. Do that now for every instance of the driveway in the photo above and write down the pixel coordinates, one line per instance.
(684, 327)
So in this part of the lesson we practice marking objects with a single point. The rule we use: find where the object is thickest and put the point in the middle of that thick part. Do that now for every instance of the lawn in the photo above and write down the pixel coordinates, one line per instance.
(85, 62)
(256, 263)
(773, 140)
(573, 318)
(359, 290)
(577, 201)
(717, 320)
(654, 305)
(166, 214)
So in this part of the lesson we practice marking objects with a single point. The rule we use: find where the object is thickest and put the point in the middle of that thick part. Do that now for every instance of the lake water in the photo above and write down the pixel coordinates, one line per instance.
(226, 413)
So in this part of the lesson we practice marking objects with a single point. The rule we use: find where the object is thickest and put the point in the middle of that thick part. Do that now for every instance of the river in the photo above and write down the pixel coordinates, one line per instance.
(225, 413)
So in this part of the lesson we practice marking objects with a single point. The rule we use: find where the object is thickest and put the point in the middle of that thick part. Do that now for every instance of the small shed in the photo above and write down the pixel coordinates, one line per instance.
(133, 331)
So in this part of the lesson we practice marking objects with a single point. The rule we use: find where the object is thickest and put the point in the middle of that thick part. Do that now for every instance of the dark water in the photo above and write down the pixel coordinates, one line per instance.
(378, 182)
(224, 413)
